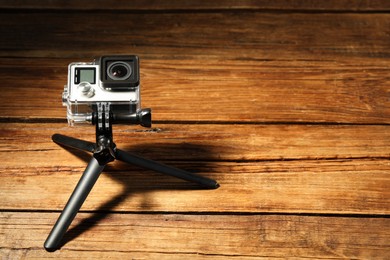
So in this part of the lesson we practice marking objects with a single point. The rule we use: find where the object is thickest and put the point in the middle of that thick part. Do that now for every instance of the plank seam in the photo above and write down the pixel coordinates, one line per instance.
(195, 213)
(194, 122)
(192, 11)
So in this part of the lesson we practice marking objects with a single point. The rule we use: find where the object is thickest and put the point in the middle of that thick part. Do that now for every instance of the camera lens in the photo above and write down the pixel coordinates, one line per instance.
(119, 70)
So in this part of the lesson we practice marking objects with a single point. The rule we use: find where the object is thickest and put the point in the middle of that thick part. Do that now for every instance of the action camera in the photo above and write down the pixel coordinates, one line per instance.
(110, 81)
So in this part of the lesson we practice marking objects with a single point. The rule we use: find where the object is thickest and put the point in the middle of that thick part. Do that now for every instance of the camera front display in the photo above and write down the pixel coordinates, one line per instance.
(85, 75)
(113, 80)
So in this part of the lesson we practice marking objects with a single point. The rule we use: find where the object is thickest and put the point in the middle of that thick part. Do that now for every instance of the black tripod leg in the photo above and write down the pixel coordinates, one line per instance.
(76, 200)
(73, 142)
(158, 167)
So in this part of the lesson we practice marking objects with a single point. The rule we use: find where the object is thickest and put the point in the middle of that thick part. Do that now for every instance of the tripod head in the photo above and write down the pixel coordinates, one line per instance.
(103, 118)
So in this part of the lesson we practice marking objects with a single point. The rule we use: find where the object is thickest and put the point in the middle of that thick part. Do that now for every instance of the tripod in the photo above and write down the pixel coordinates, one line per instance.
(105, 151)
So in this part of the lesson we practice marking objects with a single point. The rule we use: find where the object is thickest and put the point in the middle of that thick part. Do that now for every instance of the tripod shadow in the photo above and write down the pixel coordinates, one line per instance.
(139, 184)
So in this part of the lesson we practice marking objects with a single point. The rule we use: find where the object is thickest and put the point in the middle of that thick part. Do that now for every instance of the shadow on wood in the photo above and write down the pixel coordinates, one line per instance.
(130, 188)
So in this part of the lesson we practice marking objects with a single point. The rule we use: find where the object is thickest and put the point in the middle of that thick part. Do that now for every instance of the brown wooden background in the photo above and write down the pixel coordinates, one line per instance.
(285, 103)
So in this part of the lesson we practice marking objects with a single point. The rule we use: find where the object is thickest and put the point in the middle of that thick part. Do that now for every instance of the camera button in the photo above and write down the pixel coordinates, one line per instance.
(86, 89)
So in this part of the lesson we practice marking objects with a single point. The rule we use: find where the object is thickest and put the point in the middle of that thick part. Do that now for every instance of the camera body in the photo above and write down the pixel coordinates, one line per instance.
(110, 80)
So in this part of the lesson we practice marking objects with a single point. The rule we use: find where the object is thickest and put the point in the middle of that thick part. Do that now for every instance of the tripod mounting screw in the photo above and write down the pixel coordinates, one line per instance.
(105, 150)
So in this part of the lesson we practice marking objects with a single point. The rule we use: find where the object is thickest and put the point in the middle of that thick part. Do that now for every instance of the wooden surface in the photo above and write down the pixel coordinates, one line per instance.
(285, 104)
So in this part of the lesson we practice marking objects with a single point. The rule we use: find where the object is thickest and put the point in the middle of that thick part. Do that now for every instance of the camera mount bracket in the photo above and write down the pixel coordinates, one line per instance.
(105, 151)
(105, 147)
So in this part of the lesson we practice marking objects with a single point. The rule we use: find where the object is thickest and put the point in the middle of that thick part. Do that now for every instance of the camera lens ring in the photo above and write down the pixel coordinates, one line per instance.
(119, 70)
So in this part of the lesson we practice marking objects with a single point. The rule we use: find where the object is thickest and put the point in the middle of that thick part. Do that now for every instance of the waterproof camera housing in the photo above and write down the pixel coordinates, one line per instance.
(109, 81)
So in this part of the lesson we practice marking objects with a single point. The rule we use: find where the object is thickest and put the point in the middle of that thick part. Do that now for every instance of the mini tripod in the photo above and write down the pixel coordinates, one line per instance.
(105, 151)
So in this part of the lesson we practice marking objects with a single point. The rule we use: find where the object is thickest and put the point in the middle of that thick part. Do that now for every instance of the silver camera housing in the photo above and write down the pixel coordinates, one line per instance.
(86, 89)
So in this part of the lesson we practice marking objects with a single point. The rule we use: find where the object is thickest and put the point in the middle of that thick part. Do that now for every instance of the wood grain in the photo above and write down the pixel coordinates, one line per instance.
(326, 187)
(237, 36)
(207, 142)
(176, 236)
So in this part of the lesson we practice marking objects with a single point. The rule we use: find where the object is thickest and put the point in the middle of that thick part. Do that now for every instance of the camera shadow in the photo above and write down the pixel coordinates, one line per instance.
(141, 181)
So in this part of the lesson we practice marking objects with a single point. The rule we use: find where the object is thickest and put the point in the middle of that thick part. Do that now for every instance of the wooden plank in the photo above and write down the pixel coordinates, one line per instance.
(234, 35)
(330, 187)
(333, 68)
(197, 236)
(142, 5)
(216, 91)
(260, 168)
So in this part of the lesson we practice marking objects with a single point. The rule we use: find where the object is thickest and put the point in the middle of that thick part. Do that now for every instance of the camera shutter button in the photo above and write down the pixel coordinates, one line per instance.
(86, 89)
